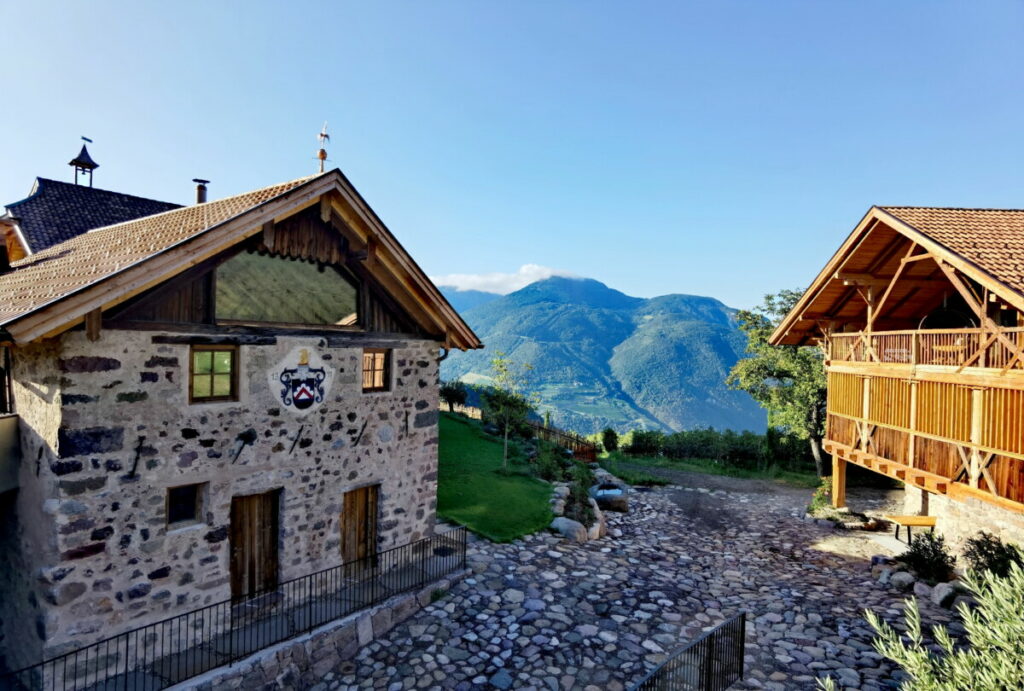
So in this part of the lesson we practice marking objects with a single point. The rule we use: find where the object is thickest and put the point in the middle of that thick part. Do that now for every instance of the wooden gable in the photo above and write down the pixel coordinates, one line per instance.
(190, 299)
(889, 277)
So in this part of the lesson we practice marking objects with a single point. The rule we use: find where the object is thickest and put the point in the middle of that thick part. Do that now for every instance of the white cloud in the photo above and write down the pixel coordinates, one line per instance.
(500, 283)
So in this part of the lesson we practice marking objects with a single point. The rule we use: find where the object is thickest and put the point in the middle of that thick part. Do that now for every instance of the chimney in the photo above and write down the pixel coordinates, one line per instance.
(200, 190)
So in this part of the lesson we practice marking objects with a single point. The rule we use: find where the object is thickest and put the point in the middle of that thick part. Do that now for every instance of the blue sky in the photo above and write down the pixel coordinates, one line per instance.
(718, 148)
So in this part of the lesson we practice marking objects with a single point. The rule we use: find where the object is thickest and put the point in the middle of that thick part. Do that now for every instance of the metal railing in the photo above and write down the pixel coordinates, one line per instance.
(712, 662)
(176, 649)
(953, 347)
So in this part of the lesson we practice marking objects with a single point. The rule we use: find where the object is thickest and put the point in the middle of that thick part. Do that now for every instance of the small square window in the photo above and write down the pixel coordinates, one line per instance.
(376, 369)
(184, 504)
(214, 375)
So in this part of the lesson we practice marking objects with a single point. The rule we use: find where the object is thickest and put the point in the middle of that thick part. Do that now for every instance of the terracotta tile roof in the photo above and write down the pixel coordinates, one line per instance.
(65, 268)
(57, 211)
(991, 239)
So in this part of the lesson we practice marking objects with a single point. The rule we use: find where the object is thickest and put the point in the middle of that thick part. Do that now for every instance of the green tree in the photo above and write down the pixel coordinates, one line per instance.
(508, 403)
(788, 381)
(995, 636)
(453, 393)
(609, 439)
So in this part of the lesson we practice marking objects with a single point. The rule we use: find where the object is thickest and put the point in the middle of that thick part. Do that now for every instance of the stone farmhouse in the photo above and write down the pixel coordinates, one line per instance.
(198, 402)
(921, 316)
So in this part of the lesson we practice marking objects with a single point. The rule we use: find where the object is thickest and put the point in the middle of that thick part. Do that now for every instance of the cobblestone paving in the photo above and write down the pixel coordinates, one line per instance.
(546, 614)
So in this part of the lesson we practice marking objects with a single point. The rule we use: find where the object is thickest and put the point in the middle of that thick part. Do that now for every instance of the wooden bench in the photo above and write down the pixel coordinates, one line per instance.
(909, 522)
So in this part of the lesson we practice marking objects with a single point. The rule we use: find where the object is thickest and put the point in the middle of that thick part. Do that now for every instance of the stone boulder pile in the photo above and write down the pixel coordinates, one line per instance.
(895, 574)
(569, 528)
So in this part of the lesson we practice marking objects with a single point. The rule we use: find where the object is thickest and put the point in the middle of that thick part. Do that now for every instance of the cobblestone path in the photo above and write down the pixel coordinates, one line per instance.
(546, 614)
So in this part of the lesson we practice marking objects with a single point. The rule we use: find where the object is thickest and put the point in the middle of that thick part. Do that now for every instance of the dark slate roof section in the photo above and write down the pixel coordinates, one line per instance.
(58, 211)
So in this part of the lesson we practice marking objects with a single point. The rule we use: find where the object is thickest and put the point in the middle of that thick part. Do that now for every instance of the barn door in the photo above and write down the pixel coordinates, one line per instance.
(359, 524)
(254, 527)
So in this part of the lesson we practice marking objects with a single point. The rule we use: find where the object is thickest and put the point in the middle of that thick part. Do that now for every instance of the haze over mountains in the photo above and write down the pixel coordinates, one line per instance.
(603, 358)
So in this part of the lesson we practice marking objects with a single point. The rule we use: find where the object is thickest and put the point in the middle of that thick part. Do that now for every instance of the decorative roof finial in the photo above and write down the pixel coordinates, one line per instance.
(83, 162)
(323, 137)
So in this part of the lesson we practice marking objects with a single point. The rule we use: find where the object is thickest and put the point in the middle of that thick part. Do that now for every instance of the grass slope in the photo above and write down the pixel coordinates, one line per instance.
(469, 491)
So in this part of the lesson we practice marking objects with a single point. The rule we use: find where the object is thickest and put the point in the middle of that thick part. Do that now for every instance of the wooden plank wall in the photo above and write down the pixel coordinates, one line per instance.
(845, 394)
(890, 402)
(1003, 426)
(944, 410)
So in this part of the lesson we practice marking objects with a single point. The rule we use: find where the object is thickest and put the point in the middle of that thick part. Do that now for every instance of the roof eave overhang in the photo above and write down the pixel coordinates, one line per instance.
(781, 335)
(68, 310)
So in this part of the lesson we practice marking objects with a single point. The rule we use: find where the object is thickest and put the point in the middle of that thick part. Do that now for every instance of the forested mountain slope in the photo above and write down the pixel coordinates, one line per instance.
(601, 357)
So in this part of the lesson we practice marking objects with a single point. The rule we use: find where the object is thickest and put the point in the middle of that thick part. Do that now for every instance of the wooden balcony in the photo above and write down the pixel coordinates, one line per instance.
(1001, 350)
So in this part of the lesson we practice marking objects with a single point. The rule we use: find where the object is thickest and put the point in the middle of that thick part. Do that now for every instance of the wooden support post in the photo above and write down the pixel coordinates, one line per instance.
(977, 401)
(912, 437)
(93, 322)
(838, 482)
(865, 414)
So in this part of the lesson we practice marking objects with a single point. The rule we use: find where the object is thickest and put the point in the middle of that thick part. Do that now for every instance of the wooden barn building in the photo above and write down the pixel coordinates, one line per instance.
(200, 402)
(921, 317)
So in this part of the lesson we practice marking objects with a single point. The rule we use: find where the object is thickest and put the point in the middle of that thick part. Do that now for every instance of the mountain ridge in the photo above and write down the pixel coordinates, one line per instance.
(604, 358)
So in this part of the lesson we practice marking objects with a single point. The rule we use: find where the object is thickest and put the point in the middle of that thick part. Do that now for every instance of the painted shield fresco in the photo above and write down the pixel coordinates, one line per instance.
(302, 380)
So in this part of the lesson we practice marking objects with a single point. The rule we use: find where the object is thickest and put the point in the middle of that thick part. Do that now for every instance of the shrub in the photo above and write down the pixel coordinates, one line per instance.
(822, 496)
(929, 557)
(578, 505)
(549, 466)
(994, 636)
(609, 439)
(988, 553)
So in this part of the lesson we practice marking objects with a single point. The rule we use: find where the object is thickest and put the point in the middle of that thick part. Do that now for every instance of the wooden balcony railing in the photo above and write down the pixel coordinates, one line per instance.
(1000, 350)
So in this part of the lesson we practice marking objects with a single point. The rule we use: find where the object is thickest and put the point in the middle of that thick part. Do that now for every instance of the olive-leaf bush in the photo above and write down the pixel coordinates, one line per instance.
(993, 658)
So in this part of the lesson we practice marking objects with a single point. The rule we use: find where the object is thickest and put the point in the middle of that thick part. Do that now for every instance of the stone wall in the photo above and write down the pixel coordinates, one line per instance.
(126, 432)
(27, 537)
(958, 521)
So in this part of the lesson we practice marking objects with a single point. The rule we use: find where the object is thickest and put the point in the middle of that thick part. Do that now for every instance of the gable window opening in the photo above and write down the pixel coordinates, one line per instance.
(6, 382)
(376, 369)
(184, 505)
(214, 374)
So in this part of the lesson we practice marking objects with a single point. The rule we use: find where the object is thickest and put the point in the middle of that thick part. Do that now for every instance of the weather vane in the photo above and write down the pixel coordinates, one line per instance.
(323, 138)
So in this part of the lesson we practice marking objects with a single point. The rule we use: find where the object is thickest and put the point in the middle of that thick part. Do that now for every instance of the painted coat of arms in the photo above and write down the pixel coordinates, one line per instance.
(300, 384)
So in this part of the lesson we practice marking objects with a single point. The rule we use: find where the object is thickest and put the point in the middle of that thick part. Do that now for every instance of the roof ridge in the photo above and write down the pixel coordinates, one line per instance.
(950, 208)
(38, 188)
(182, 209)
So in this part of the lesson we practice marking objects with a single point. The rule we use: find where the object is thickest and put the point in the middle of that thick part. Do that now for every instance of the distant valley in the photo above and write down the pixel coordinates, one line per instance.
(603, 358)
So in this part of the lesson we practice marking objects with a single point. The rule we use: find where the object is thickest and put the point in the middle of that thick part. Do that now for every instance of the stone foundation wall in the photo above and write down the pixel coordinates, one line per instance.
(314, 658)
(958, 521)
(108, 427)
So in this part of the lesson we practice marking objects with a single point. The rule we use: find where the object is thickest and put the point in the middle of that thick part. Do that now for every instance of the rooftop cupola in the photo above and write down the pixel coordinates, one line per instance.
(83, 162)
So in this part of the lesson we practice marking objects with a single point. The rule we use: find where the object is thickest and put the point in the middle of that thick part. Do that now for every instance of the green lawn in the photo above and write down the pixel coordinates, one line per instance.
(469, 491)
(700, 465)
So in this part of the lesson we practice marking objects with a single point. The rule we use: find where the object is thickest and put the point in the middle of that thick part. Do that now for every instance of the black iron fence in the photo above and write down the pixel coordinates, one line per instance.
(712, 662)
(170, 651)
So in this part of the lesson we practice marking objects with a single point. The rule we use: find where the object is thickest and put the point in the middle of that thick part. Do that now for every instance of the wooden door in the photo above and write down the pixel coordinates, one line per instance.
(254, 537)
(359, 524)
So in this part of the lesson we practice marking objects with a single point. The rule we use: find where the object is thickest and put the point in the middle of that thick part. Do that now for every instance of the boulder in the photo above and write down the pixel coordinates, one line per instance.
(600, 527)
(922, 590)
(901, 580)
(570, 529)
(943, 594)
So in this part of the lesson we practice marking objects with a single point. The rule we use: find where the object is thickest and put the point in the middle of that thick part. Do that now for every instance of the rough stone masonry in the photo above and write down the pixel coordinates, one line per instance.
(107, 428)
